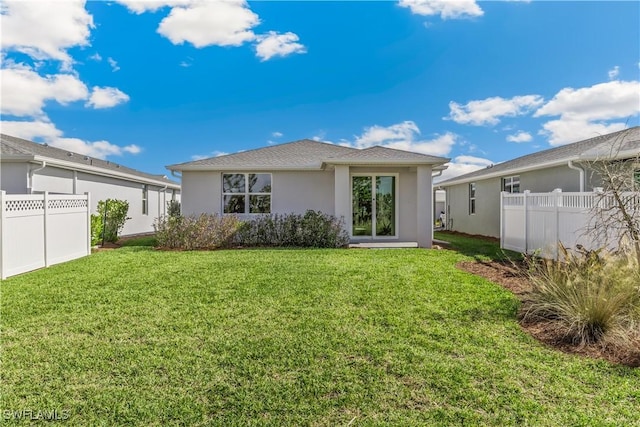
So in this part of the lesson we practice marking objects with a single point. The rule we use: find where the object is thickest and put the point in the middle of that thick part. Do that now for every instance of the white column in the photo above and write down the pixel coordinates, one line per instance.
(424, 203)
(88, 222)
(45, 219)
(341, 193)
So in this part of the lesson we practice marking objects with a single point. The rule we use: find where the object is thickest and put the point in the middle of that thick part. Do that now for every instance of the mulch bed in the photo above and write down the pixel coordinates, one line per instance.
(508, 276)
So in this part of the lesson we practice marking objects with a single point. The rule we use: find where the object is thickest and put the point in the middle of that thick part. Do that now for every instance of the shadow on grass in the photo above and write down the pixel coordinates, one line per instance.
(481, 248)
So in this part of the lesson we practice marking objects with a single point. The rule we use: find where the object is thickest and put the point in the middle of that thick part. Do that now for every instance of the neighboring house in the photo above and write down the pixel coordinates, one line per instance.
(473, 199)
(383, 195)
(27, 167)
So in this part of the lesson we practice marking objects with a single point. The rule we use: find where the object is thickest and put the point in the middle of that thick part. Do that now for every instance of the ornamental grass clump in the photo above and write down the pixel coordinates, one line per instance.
(193, 232)
(592, 296)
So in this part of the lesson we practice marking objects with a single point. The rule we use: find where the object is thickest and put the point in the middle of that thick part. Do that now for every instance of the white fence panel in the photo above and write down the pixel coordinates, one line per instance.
(38, 230)
(531, 222)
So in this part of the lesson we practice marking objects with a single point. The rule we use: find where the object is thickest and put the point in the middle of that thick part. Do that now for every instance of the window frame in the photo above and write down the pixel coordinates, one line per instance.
(145, 199)
(246, 193)
(509, 182)
(473, 188)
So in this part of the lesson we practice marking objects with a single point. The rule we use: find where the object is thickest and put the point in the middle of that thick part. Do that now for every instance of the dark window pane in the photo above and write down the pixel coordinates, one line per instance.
(234, 204)
(233, 183)
(473, 206)
(259, 204)
(259, 183)
(516, 188)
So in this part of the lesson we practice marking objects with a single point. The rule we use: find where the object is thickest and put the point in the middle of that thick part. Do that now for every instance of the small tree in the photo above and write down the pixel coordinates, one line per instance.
(173, 208)
(114, 215)
(616, 213)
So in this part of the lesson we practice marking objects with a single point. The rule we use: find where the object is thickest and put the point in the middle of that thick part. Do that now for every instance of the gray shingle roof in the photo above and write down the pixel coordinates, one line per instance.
(627, 140)
(304, 154)
(13, 146)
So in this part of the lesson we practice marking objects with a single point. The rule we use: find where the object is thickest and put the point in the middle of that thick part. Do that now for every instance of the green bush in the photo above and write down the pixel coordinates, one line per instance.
(195, 232)
(313, 229)
(116, 217)
(173, 208)
(96, 229)
(593, 296)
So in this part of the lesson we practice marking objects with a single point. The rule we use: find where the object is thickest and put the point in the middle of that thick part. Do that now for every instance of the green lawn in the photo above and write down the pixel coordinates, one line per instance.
(289, 337)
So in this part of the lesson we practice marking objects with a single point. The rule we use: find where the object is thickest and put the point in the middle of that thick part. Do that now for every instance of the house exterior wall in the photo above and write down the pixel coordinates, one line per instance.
(298, 191)
(486, 220)
(13, 177)
(54, 180)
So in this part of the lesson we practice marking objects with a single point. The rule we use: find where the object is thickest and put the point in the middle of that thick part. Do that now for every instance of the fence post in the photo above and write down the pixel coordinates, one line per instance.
(3, 210)
(502, 219)
(556, 205)
(525, 205)
(45, 217)
(89, 228)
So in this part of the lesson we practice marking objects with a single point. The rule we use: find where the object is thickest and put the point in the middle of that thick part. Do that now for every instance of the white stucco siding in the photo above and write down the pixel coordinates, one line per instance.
(201, 192)
(53, 180)
(102, 188)
(13, 177)
(297, 192)
(486, 220)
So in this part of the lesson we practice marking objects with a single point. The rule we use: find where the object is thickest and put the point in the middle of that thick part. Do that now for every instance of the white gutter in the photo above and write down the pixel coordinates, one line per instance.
(32, 171)
(176, 174)
(570, 165)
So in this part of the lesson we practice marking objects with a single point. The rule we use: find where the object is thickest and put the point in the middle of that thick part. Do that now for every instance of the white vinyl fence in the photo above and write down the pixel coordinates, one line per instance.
(39, 230)
(531, 222)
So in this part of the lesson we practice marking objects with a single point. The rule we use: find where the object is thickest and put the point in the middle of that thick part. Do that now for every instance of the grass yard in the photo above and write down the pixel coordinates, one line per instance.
(135, 336)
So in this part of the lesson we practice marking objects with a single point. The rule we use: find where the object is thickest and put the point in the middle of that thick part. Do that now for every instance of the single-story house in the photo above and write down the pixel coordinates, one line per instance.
(383, 194)
(473, 199)
(28, 167)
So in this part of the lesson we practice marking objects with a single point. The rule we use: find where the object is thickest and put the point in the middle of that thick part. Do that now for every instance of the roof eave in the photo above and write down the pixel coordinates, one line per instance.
(245, 168)
(104, 172)
(376, 162)
(17, 157)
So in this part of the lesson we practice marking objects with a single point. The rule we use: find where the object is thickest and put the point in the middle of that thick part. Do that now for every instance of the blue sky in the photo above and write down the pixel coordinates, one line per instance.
(152, 83)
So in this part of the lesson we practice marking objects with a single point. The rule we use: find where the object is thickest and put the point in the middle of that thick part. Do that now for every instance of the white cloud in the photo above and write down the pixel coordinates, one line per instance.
(447, 9)
(106, 97)
(96, 57)
(212, 154)
(277, 134)
(141, 6)
(47, 131)
(614, 72)
(114, 64)
(24, 92)
(274, 44)
(519, 137)
(462, 165)
(405, 136)
(588, 112)
(44, 30)
(488, 111)
(203, 23)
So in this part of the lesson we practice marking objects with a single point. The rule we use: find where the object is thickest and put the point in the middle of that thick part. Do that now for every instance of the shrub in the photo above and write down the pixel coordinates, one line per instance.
(313, 229)
(173, 208)
(592, 295)
(96, 229)
(205, 231)
(116, 217)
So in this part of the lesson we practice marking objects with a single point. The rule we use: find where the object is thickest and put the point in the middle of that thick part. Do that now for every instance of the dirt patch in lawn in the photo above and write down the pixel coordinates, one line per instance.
(509, 276)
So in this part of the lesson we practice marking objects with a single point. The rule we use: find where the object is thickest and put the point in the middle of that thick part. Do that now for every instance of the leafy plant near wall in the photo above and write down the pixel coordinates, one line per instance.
(173, 208)
(113, 213)
(97, 226)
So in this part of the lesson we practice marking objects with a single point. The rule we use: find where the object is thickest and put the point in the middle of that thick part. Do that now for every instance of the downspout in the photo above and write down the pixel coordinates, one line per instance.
(31, 172)
(433, 195)
(570, 165)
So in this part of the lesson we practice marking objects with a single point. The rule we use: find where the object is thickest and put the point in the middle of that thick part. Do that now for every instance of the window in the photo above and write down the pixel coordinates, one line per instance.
(472, 198)
(246, 193)
(145, 199)
(173, 195)
(511, 184)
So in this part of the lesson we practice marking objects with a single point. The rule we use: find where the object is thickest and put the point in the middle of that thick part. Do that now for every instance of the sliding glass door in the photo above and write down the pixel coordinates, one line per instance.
(373, 206)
